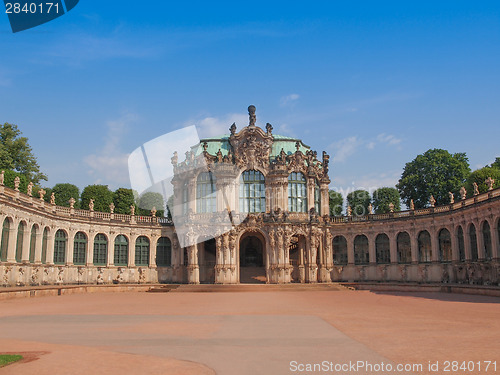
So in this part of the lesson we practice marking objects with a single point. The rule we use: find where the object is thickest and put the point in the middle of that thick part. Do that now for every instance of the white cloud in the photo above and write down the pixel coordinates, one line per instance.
(389, 139)
(109, 165)
(344, 148)
(215, 126)
(285, 100)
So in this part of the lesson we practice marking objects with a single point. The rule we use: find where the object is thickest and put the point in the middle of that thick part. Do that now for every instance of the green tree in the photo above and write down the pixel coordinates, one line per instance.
(123, 198)
(101, 195)
(435, 172)
(16, 154)
(9, 178)
(496, 163)
(359, 200)
(336, 202)
(382, 197)
(64, 192)
(479, 176)
(149, 200)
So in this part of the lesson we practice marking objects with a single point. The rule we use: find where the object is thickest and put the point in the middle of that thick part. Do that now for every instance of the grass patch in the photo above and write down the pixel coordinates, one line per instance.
(6, 359)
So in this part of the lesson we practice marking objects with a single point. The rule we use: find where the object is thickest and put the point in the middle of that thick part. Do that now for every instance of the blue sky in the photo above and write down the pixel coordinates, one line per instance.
(372, 83)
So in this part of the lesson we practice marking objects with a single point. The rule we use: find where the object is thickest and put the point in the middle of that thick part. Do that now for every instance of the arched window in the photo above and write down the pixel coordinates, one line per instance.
(60, 247)
(361, 255)
(473, 243)
(45, 240)
(142, 251)
(317, 197)
(424, 247)
(404, 247)
(487, 240)
(297, 192)
(5, 240)
(101, 250)
(461, 244)
(205, 193)
(340, 250)
(20, 239)
(444, 245)
(80, 248)
(382, 248)
(121, 251)
(252, 192)
(163, 252)
(32, 243)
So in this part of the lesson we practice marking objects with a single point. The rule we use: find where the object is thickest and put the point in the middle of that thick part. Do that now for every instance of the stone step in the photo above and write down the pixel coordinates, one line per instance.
(216, 288)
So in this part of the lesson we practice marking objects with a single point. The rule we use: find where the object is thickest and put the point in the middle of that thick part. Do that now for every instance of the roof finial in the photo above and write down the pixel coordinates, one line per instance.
(251, 114)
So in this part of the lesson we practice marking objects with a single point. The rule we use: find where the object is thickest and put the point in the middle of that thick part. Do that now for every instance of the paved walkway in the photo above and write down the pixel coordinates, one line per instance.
(245, 333)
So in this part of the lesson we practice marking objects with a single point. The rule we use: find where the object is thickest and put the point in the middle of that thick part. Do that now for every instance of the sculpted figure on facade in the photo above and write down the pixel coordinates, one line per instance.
(2, 178)
(17, 181)
(412, 205)
(52, 199)
(452, 197)
(489, 182)
(29, 190)
(91, 205)
(463, 193)
(41, 193)
(432, 201)
(112, 208)
(476, 189)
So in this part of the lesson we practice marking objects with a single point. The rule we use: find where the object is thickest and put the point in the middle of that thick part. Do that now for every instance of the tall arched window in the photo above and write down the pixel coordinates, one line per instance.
(473, 243)
(205, 193)
(487, 240)
(121, 251)
(32, 243)
(60, 247)
(20, 239)
(5, 240)
(444, 245)
(461, 244)
(340, 250)
(382, 249)
(163, 252)
(317, 197)
(80, 248)
(45, 241)
(252, 192)
(404, 247)
(297, 192)
(101, 250)
(424, 247)
(361, 255)
(142, 251)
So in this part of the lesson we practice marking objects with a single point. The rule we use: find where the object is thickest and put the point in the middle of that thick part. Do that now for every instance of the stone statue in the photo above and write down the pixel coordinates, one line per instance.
(153, 212)
(132, 210)
(476, 189)
(370, 209)
(29, 191)
(391, 207)
(412, 205)
(17, 181)
(489, 182)
(52, 199)
(41, 193)
(112, 208)
(72, 202)
(297, 145)
(326, 162)
(452, 197)
(432, 201)
(463, 193)
(251, 115)
(2, 177)
(349, 211)
(232, 129)
(91, 205)
(175, 159)
(205, 146)
(269, 129)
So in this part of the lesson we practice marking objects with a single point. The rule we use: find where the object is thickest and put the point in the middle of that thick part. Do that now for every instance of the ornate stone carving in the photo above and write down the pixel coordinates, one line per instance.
(112, 208)
(252, 116)
(489, 182)
(452, 197)
(476, 189)
(412, 205)
(132, 210)
(432, 201)
(29, 190)
(91, 205)
(17, 181)
(41, 193)
(463, 193)
(52, 199)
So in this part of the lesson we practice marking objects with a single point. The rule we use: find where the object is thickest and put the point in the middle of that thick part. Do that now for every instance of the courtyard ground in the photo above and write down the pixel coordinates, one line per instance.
(248, 332)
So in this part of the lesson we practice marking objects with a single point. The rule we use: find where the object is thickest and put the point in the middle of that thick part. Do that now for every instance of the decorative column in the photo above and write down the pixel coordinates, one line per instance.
(467, 247)
(495, 245)
(372, 249)
(50, 246)
(25, 256)
(455, 253)
(11, 248)
(325, 199)
(152, 250)
(302, 268)
(219, 261)
(193, 270)
(70, 248)
(350, 249)
(434, 245)
(328, 259)
(38, 246)
(131, 249)
(111, 249)
(393, 247)
(480, 241)
(414, 246)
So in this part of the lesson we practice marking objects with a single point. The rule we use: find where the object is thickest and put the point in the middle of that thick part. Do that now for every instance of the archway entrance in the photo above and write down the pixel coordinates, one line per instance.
(252, 259)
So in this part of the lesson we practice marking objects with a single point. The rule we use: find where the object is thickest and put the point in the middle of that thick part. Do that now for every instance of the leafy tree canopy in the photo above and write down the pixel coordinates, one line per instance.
(149, 200)
(435, 172)
(336, 202)
(9, 178)
(359, 200)
(382, 197)
(16, 154)
(479, 176)
(123, 199)
(101, 195)
(64, 192)
(496, 163)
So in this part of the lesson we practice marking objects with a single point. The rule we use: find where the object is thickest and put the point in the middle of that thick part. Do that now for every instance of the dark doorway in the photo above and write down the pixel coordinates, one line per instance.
(252, 264)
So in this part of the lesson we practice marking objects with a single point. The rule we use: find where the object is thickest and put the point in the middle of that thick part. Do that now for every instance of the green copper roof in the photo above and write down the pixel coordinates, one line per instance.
(222, 143)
